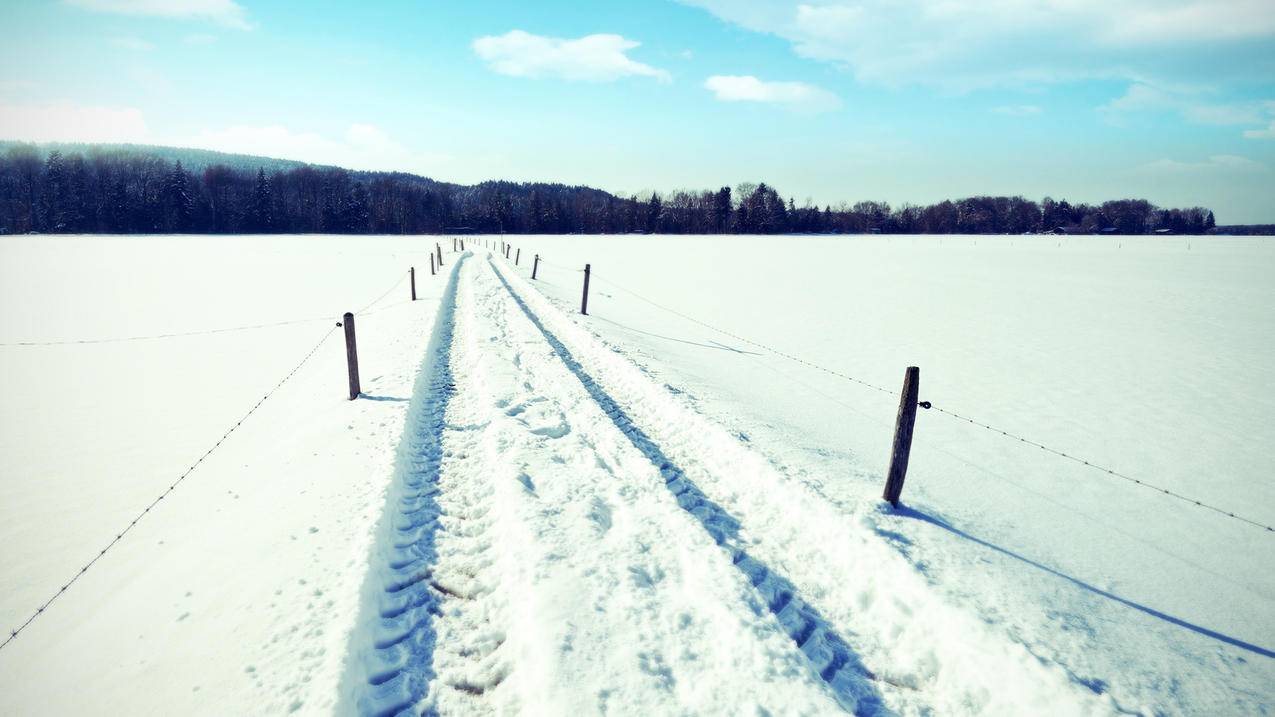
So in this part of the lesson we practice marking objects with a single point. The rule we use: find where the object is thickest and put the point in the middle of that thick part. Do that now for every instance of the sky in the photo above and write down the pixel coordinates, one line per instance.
(829, 101)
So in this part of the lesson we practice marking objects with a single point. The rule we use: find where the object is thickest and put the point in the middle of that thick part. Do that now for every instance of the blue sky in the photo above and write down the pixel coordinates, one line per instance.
(896, 100)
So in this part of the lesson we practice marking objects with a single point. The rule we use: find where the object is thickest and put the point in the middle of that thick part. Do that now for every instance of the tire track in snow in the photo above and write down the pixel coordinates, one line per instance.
(521, 568)
(615, 580)
(432, 641)
(828, 652)
(392, 649)
(943, 658)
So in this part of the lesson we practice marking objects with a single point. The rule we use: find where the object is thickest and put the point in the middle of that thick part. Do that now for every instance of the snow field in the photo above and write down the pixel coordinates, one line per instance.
(237, 593)
(1145, 354)
(923, 653)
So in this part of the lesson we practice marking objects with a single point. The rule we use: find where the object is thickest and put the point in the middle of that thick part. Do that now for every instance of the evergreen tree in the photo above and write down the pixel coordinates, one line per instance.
(261, 213)
(179, 205)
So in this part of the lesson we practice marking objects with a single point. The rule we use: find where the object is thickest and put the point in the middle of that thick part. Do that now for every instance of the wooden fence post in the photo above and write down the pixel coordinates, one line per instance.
(431, 264)
(903, 436)
(453, 245)
(534, 266)
(462, 245)
(584, 300)
(517, 256)
(351, 354)
(439, 249)
(412, 272)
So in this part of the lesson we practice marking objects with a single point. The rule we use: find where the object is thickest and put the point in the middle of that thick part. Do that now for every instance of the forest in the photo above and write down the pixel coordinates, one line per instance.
(122, 189)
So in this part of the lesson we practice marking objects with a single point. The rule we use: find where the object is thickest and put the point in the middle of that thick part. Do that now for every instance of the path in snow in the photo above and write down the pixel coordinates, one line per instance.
(565, 535)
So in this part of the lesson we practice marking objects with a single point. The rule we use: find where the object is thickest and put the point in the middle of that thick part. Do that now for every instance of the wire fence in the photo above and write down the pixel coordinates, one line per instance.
(15, 632)
(206, 332)
(1011, 435)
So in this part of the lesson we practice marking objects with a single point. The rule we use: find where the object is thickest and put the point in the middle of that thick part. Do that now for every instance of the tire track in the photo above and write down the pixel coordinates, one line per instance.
(839, 591)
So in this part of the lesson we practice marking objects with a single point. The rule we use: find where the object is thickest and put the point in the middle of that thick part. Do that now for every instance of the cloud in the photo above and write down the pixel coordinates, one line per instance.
(66, 122)
(746, 88)
(227, 13)
(1268, 133)
(1218, 163)
(968, 44)
(592, 58)
(1018, 110)
(361, 146)
(1191, 105)
(132, 43)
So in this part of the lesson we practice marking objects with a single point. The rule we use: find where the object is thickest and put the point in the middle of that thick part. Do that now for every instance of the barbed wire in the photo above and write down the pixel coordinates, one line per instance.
(929, 405)
(377, 300)
(1098, 467)
(13, 633)
(202, 332)
(199, 332)
(838, 374)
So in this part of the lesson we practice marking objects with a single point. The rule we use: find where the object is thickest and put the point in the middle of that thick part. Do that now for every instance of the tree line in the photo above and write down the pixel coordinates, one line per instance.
(113, 190)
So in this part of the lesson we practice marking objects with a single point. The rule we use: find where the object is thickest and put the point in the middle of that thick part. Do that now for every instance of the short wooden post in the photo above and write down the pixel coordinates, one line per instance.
(903, 436)
(431, 264)
(439, 249)
(462, 245)
(412, 273)
(453, 245)
(535, 265)
(351, 354)
(584, 300)
(517, 256)
(507, 248)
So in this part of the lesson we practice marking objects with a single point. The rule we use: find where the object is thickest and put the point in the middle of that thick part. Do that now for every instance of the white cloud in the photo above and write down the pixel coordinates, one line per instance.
(746, 88)
(223, 12)
(66, 122)
(131, 43)
(966, 44)
(361, 146)
(1018, 110)
(1268, 133)
(592, 58)
(1192, 105)
(1218, 163)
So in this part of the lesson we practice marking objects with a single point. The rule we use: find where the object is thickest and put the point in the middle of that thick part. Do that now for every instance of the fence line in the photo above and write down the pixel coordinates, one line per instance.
(203, 332)
(14, 632)
(928, 405)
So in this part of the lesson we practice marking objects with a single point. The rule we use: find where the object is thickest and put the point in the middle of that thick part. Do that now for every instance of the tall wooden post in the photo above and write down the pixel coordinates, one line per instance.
(351, 354)
(903, 436)
(535, 265)
(431, 264)
(462, 245)
(412, 273)
(453, 245)
(517, 256)
(439, 249)
(584, 300)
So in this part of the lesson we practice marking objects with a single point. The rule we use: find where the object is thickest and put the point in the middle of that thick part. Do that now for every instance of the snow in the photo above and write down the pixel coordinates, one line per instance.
(541, 512)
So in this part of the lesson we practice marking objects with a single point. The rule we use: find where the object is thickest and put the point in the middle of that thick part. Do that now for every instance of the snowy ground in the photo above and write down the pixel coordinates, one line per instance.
(630, 512)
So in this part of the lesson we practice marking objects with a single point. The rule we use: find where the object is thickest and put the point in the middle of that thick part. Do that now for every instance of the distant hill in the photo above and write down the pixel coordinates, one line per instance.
(195, 160)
